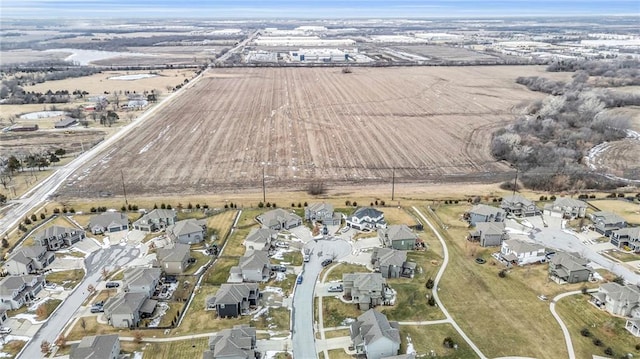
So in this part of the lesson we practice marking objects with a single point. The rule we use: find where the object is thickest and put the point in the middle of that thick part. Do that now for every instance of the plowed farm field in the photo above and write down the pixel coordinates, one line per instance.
(300, 125)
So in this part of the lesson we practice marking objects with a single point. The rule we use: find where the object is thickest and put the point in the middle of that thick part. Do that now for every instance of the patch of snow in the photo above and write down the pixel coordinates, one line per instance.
(35, 305)
(347, 322)
(41, 114)
(131, 77)
(270, 354)
(276, 290)
(259, 313)
(85, 57)
(137, 355)
(280, 277)
(162, 310)
(410, 349)
(30, 317)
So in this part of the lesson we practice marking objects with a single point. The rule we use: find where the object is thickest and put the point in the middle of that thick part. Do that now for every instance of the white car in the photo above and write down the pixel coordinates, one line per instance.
(50, 286)
(5, 330)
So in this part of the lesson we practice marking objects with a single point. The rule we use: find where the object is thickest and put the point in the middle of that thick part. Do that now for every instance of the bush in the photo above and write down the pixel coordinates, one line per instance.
(163, 206)
(316, 188)
(502, 273)
(305, 204)
(168, 206)
(597, 342)
(34, 217)
(72, 210)
(260, 204)
(585, 332)
(355, 204)
(56, 210)
(608, 351)
(27, 221)
(382, 203)
(509, 186)
(43, 216)
(268, 205)
(346, 203)
(432, 300)
(448, 342)
(123, 209)
(429, 283)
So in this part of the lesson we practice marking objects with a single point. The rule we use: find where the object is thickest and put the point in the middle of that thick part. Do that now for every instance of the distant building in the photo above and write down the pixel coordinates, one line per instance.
(66, 122)
(279, 219)
(322, 212)
(607, 222)
(565, 207)
(519, 206)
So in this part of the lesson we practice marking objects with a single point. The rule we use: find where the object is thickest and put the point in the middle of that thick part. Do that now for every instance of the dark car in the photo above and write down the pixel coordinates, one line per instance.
(326, 262)
(279, 268)
(112, 285)
(299, 280)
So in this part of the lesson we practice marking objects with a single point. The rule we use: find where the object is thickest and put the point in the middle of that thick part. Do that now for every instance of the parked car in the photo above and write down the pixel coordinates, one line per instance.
(50, 286)
(335, 288)
(112, 285)
(97, 309)
(326, 262)
(299, 280)
(306, 257)
(279, 268)
(5, 330)
(344, 230)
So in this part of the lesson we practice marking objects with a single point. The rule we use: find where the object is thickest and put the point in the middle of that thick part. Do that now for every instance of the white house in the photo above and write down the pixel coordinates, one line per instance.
(519, 252)
(366, 218)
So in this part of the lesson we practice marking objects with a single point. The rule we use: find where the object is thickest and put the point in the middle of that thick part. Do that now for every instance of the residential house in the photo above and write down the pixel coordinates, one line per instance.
(484, 213)
(254, 266)
(618, 299)
(374, 336)
(392, 263)
(189, 231)
(3, 316)
(633, 326)
(260, 239)
(124, 310)
(234, 299)
(606, 222)
(174, 259)
(399, 237)
(15, 291)
(66, 122)
(28, 260)
(108, 222)
(237, 343)
(322, 212)
(519, 252)
(367, 290)
(627, 237)
(566, 207)
(56, 237)
(97, 347)
(366, 218)
(569, 268)
(489, 234)
(141, 280)
(519, 206)
(156, 220)
(279, 219)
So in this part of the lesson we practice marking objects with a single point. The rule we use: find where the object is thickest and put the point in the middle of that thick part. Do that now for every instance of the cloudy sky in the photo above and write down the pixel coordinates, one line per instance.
(33, 9)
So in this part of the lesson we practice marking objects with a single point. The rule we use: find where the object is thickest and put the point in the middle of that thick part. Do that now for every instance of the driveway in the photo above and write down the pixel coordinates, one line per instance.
(49, 331)
(304, 345)
(554, 236)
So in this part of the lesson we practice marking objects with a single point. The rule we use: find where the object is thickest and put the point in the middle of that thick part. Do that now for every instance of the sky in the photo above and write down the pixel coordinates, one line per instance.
(35, 9)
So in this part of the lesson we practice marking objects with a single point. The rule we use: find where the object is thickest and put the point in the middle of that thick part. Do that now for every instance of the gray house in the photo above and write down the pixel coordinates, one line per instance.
(189, 231)
(618, 299)
(519, 206)
(607, 222)
(174, 259)
(374, 336)
(322, 212)
(156, 220)
(260, 239)
(109, 222)
(367, 290)
(484, 213)
(234, 299)
(392, 263)
(568, 268)
(399, 237)
(279, 219)
(97, 347)
(489, 234)
(366, 218)
(254, 266)
(566, 207)
(627, 237)
(237, 343)
(124, 310)
(15, 291)
(28, 260)
(56, 237)
(141, 280)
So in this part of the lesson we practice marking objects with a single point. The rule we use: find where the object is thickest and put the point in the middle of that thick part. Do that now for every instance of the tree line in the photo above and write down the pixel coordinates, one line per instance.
(547, 144)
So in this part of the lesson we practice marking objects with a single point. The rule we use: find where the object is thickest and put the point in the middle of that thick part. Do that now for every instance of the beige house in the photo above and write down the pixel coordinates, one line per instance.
(174, 259)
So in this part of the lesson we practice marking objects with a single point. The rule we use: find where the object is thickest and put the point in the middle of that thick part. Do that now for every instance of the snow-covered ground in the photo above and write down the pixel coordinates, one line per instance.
(84, 57)
(132, 77)
(41, 114)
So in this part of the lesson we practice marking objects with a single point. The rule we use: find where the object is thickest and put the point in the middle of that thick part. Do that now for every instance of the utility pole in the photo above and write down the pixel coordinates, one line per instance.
(393, 183)
(124, 189)
(264, 191)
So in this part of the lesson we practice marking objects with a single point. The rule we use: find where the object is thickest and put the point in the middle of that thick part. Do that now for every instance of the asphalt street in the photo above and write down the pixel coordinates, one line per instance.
(304, 345)
(50, 330)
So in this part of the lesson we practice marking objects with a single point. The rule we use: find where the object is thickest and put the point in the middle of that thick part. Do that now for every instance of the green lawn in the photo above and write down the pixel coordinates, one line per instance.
(201, 259)
(428, 338)
(277, 319)
(293, 257)
(623, 256)
(335, 311)
(478, 299)
(219, 272)
(68, 279)
(338, 269)
(577, 313)
(49, 306)
(184, 349)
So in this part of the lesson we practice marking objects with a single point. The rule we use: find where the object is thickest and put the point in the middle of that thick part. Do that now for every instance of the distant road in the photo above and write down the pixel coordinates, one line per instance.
(242, 44)
(37, 195)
